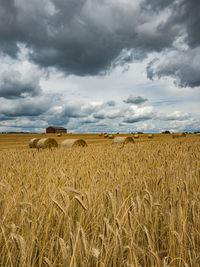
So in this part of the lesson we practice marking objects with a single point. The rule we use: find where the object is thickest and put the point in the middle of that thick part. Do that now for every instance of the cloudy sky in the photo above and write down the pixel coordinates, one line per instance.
(100, 65)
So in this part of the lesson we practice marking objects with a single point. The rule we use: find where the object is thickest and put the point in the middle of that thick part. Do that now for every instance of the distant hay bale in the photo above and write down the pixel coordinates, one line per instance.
(197, 134)
(150, 136)
(117, 133)
(47, 143)
(105, 135)
(136, 136)
(123, 140)
(178, 134)
(100, 134)
(110, 136)
(59, 134)
(73, 143)
(33, 142)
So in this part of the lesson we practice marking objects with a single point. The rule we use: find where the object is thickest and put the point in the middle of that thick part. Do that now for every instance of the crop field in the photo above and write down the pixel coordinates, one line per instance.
(102, 205)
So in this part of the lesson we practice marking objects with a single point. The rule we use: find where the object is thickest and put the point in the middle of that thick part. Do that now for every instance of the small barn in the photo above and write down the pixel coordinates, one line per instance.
(56, 129)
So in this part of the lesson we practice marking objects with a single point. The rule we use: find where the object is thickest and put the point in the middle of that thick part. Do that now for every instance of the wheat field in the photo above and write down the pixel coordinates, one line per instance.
(102, 205)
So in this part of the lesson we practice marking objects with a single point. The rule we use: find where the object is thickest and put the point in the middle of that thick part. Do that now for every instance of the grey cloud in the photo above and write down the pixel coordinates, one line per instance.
(175, 116)
(71, 111)
(99, 116)
(24, 123)
(85, 37)
(137, 100)
(107, 114)
(138, 119)
(25, 107)
(137, 113)
(81, 37)
(183, 66)
(8, 28)
(14, 85)
(82, 110)
(89, 121)
(111, 103)
(74, 110)
(184, 15)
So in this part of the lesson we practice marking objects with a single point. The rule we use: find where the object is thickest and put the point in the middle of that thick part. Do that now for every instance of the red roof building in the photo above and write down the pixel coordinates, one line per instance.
(56, 129)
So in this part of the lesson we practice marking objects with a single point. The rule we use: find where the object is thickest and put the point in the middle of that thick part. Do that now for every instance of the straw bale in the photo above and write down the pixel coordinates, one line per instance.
(150, 136)
(105, 135)
(136, 136)
(178, 134)
(33, 142)
(123, 140)
(59, 134)
(110, 136)
(47, 143)
(73, 143)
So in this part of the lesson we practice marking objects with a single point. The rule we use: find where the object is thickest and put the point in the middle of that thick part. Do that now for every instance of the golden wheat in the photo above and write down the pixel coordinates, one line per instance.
(137, 205)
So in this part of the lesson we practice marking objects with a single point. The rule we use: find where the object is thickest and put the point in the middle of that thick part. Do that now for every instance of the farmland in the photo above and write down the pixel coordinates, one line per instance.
(101, 205)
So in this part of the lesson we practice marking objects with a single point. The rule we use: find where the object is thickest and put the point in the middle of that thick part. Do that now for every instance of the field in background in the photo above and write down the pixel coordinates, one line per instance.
(102, 205)
(21, 141)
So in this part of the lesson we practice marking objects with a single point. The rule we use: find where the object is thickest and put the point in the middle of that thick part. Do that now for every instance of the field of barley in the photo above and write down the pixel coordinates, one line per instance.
(102, 205)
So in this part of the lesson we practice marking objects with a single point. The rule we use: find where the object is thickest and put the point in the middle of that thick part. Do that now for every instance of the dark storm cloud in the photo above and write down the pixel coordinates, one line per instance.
(85, 37)
(183, 66)
(8, 28)
(14, 85)
(137, 100)
(184, 63)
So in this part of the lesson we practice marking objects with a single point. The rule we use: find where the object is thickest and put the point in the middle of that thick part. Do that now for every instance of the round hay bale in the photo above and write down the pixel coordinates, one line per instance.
(105, 135)
(33, 142)
(123, 140)
(47, 143)
(150, 136)
(73, 143)
(59, 134)
(100, 134)
(110, 136)
(178, 134)
(197, 134)
(136, 136)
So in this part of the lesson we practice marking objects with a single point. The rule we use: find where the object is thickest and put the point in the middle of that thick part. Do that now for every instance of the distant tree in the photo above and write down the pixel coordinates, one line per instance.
(166, 132)
(140, 132)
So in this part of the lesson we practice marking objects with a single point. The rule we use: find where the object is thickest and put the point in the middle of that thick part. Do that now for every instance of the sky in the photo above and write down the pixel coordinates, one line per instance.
(100, 65)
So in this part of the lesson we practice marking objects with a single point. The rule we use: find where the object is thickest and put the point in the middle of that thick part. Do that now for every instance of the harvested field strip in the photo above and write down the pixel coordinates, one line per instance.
(21, 141)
